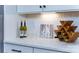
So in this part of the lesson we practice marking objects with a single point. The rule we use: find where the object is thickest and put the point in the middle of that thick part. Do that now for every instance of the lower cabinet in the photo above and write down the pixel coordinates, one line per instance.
(44, 51)
(10, 48)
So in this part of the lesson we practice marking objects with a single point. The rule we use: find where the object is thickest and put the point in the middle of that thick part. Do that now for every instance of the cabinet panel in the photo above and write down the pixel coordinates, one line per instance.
(9, 48)
(46, 8)
(44, 51)
(29, 8)
(61, 8)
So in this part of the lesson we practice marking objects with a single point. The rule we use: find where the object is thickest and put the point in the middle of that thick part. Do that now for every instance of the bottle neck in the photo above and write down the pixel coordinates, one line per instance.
(21, 23)
(24, 23)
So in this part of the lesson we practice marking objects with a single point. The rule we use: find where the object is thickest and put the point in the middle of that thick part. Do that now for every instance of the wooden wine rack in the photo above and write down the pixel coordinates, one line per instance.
(66, 32)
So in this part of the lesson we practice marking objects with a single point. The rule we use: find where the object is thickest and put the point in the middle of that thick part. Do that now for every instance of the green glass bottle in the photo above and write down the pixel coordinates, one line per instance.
(21, 29)
(25, 29)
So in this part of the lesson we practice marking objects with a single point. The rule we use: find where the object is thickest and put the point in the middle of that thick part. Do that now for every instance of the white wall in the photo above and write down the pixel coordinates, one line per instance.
(10, 18)
(35, 20)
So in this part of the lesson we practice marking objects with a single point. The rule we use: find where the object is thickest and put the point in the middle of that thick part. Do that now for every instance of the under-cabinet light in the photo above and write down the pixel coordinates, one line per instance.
(48, 17)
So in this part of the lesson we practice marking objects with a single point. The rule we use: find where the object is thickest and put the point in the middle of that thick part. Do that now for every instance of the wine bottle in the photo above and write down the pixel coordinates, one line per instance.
(25, 29)
(21, 29)
(21, 26)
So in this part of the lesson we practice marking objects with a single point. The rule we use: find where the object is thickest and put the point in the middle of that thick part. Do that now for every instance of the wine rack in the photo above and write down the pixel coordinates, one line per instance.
(66, 32)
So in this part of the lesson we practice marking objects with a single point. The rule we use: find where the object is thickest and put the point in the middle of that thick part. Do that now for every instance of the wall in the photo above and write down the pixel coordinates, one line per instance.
(10, 17)
(34, 21)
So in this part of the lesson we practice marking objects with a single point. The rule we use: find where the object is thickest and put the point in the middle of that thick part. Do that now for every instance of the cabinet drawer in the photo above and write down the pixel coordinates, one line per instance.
(44, 51)
(10, 48)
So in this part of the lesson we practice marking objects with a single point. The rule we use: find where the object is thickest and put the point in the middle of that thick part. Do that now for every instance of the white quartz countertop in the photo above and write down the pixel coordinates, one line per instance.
(53, 44)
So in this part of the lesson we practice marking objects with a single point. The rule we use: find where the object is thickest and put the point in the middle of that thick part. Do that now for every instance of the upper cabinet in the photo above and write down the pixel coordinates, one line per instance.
(46, 8)
(29, 8)
(60, 8)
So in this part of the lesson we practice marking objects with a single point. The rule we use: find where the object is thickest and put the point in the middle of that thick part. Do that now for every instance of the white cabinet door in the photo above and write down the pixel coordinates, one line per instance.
(10, 48)
(29, 8)
(46, 8)
(61, 8)
(51, 8)
(44, 51)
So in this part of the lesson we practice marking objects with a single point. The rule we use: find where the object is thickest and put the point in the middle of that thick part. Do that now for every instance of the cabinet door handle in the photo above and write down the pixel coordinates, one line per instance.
(16, 50)
(40, 6)
(44, 6)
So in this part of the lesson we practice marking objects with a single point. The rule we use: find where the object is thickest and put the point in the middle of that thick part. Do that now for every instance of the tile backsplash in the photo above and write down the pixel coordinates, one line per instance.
(35, 20)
